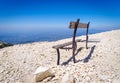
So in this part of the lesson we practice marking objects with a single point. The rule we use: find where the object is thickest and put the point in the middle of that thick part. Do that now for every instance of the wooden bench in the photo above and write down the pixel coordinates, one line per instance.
(73, 25)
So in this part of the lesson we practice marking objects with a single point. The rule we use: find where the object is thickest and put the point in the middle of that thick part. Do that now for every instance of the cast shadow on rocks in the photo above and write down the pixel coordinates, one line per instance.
(85, 59)
(89, 55)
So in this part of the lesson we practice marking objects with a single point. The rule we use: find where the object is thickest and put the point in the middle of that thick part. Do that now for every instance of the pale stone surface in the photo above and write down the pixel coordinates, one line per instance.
(43, 72)
(41, 69)
(19, 62)
(116, 81)
(68, 78)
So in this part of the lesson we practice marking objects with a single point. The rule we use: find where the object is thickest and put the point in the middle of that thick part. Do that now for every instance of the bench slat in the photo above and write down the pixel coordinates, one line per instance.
(65, 44)
(80, 25)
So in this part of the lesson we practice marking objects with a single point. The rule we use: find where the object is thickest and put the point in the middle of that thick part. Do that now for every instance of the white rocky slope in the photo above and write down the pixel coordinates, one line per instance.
(98, 64)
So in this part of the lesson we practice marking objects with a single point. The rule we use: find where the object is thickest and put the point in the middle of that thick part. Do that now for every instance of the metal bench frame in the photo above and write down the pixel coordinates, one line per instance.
(73, 25)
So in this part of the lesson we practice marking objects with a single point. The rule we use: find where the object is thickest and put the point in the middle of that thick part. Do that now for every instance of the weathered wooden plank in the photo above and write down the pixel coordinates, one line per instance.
(65, 44)
(72, 25)
(80, 25)
(91, 41)
(62, 45)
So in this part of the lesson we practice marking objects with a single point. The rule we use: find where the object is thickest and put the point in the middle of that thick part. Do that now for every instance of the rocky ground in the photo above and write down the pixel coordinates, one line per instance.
(100, 63)
(4, 44)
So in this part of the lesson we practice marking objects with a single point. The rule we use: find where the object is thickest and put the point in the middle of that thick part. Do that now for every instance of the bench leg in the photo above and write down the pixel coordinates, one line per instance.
(87, 37)
(58, 57)
(74, 56)
(87, 42)
(74, 48)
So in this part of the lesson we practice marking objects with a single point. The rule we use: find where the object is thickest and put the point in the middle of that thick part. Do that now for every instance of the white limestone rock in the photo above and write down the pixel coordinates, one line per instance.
(43, 72)
(68, 78)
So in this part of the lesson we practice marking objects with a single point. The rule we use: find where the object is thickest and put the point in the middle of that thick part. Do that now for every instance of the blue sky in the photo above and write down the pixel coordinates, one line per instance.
(39, 14)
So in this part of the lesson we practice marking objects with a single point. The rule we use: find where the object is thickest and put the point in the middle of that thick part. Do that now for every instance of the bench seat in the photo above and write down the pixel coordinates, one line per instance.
(65, 44)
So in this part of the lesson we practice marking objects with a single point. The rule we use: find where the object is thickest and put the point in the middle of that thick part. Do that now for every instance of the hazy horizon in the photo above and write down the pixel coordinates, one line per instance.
(24, 21)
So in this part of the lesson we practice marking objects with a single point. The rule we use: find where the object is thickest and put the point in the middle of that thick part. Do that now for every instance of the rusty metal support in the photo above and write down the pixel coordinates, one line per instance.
(74, 43)
(58, 56)
(87, 36)
(86, 41)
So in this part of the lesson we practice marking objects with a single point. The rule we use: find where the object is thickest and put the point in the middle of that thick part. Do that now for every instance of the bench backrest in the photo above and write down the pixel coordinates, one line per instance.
(75, 25)
(80, 25)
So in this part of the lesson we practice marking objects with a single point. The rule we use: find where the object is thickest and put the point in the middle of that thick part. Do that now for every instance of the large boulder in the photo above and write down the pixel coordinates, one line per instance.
(43, 72)
(4, 44)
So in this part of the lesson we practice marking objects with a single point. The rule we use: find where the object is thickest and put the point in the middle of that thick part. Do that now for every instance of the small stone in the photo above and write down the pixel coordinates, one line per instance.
(68, 78)
(87, 78)
(18, 82)
(2, 71)
(102, 77)
(79, 80)
(116, 81)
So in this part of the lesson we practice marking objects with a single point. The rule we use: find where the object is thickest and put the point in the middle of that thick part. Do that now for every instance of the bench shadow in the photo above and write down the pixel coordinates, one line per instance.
(84, 60)
(89, 55)
(65, 63)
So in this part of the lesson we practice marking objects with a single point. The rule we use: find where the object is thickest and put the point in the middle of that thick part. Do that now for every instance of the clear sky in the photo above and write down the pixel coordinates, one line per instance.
(34, 14)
